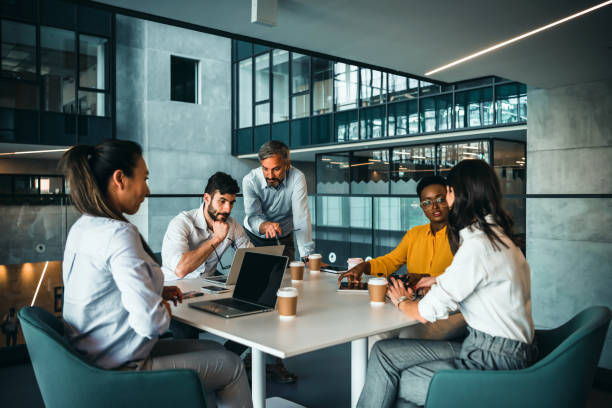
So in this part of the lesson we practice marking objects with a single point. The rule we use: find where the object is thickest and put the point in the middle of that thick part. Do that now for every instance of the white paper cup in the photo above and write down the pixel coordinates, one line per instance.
(287, 302)
(353, 262)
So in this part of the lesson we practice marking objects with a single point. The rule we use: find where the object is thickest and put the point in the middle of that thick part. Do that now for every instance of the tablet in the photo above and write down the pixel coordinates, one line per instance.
(351, 287)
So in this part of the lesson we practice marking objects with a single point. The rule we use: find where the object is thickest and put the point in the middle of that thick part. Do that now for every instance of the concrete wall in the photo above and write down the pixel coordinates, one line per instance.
(569, 240)
(183, 143)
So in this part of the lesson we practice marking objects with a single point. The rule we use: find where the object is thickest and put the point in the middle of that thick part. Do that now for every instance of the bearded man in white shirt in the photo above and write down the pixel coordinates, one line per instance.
(196, 239)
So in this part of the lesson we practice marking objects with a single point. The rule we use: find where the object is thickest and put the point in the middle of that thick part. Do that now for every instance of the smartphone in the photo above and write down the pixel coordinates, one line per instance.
(333, 269)
(214, 289)
(192, 294)
(359, 287)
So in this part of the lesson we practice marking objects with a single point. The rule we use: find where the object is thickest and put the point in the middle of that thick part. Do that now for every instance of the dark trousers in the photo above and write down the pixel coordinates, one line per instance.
(287, 241)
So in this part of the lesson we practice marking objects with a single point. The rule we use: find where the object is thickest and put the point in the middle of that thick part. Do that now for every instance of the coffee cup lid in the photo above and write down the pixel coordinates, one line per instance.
(377, 281)
(287, 292)
(315, 256)
(296, 263)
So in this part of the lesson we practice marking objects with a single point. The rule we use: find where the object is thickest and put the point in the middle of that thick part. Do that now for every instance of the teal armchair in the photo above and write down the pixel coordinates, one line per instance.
(66, 379)
(561, 378)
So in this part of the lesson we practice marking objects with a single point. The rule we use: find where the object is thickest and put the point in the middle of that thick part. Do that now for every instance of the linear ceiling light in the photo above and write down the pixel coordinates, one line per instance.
(32, 152)
(520, 37)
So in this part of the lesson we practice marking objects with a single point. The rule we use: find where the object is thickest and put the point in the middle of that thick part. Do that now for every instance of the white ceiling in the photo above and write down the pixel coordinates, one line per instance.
(416, 36)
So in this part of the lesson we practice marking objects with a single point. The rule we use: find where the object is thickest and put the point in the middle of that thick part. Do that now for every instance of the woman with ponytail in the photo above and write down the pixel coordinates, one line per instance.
(488, 281)
(115, 304)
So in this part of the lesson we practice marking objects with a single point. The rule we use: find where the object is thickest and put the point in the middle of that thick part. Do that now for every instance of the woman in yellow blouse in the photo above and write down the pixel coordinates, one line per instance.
(424, 250)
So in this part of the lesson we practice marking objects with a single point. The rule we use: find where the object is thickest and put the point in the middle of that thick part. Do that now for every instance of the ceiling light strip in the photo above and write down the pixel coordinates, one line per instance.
(33, 152)
(520, 37)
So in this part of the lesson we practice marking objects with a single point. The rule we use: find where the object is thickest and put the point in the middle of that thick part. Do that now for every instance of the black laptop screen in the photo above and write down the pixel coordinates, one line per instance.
(259, 279)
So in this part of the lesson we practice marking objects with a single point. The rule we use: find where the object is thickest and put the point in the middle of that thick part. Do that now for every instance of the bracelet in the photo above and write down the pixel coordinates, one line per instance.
(401, 299)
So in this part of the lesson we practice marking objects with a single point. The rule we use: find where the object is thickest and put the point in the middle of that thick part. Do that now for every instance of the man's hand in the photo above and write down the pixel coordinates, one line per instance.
(397, 289)
(173, 294)
(220, 230)
(354, 274)
(167, 306)
(270, 229)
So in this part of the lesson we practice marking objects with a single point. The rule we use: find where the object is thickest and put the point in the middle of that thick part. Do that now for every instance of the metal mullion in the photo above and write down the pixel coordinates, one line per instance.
(311, 88)
(333, 109)
(270, 90)
(252, 99)
(494, 104)
(290, 91)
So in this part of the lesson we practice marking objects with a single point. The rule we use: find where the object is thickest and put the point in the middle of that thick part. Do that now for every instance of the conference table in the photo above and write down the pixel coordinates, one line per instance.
(324, 318)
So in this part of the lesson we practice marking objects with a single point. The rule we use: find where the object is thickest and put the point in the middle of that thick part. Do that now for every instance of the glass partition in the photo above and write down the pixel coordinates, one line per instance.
(450, 154)
(58, 59)
(300, 85)
(280, 85)
(245, 92)
(322, 86)
(403, 118)
(345, 86)
(409, 165)
(346, 126)
(401, 88)
(373, 87)
(333, 174)
(18, 50)
(474, 108)
(370, 172)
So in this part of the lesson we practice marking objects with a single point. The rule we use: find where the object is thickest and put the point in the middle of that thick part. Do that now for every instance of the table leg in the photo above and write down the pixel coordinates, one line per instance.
(359, 363)
(258, 378)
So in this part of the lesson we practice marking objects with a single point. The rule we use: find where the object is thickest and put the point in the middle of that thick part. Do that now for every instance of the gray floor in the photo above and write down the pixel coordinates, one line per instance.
(324, 381)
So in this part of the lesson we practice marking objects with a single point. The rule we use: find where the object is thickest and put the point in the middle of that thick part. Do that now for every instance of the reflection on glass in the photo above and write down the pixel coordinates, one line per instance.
(262, 114)
(428, 88)
(57, 69)
(409, 165)
(18, 50)
(300, 73)
(436, 113)
(333, 174)
(401, 87)
(92, 62)
(280, 85)
(322, 73)
(18, 95)
(370, 172)
(245, 92)
(92, 104)
(474, 108)
(301, 106)
(522, 102)
(507, 100)
(345, 86)
(373, 122)
(373, 87)
(346, 126)
(452, 153)
(262, 77)
(510, 165)
(403, 118)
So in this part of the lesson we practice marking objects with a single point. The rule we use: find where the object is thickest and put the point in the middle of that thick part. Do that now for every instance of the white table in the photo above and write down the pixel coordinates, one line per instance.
(324, 318)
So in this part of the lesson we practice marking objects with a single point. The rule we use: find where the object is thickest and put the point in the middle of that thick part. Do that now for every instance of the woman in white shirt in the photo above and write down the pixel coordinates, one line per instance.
(488, 281)
(115, 304)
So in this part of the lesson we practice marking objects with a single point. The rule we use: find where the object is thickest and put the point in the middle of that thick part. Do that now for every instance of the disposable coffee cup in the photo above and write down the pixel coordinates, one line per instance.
(297, 271)
(314, 262)
(378, 290)
(287, 302)
(353, 262)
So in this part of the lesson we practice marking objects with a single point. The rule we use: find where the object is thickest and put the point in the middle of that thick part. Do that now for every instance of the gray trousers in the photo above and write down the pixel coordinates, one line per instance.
(221, 371)
(400, 370)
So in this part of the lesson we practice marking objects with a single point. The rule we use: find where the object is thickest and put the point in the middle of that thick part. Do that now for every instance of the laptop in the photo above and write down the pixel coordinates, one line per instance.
(232, 276)
(259, 279)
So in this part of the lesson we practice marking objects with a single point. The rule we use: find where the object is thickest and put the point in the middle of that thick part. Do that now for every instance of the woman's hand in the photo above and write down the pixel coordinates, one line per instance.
(397, 289)
(354, 274)
(173, 294)
(426, 283)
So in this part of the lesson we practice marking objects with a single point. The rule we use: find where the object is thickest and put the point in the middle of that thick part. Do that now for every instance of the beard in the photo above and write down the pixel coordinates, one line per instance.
(217, 215)
(272, 182)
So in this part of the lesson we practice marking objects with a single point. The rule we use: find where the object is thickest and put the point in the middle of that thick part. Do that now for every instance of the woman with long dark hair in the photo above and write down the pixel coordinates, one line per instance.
(115, 304)
(488, 281)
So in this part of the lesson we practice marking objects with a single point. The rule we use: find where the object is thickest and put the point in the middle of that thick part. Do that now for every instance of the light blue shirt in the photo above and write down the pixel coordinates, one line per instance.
(287, 205)
(113, 308)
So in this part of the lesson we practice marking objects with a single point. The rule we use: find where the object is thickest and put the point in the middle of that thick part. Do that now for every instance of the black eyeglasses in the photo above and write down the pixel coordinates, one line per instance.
(223, 267)
(429, 203)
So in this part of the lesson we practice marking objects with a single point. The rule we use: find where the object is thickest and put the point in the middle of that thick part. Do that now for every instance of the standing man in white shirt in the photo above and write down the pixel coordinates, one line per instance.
(196, 239)
(276, 206)
(276, 202)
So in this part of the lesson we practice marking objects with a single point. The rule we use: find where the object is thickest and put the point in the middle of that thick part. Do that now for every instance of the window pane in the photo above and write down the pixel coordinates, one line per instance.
(301, 106)
(245, 92)
(261, 135)
(345, 86)
(92, 62)
(452, 153)
(58, 69)
(18, 50)
(346, 126)
(428, 88)
(401, 87)
(262, 77)
(506, 103)
(403, 118)
(93, 104)
(444, 112)
(300, 132)
(370, 172)
(18, 95)
(322, 72)
(280, 80)
(321, 129)
(523, 102)
(436, 113)
(510, 165)
(300, 71)
(373, 87)
(409, 165)
(428, 115)
(373, 123)
(333, 174)
(262, 114)
(183, 79)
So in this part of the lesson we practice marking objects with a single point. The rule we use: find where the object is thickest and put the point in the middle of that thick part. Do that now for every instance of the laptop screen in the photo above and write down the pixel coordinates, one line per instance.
(259, 279)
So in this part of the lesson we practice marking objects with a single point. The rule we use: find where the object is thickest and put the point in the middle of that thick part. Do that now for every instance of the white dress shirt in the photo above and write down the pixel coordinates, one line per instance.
(113, 309)
(287, 205)
(491, 287)
(188, 231)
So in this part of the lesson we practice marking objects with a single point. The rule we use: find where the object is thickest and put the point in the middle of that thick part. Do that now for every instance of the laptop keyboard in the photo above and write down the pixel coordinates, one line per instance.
(236, 304)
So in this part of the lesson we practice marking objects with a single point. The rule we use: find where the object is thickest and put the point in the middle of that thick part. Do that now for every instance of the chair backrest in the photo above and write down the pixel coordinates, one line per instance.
(66, 378)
